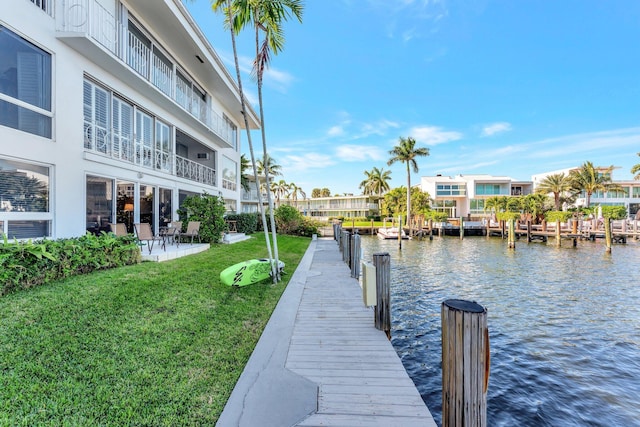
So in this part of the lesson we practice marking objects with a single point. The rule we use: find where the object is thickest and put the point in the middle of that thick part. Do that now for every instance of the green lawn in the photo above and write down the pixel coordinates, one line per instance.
(151, 344)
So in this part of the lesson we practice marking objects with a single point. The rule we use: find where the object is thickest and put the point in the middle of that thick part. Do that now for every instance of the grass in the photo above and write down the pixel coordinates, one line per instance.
(150, 344)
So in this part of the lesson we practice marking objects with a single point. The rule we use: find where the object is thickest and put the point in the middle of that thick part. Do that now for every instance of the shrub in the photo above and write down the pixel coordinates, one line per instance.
(554, 216)
(290, 221)
(207, 209)
(614, 212)
(32, 263)
(245, 222)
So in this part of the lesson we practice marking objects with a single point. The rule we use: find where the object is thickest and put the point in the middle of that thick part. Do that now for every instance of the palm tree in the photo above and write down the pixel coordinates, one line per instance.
(268, 166)
(280, 189)
(230, 17)
(590, 179)
(266, 16)
(294, 190)
(376, 182)
(636, 169)
(406, 152)
(558, 184)
(496, 204)
(244, 179)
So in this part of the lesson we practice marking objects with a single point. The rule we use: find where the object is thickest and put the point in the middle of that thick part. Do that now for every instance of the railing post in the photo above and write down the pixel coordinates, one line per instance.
(465, 363)
(382, 313)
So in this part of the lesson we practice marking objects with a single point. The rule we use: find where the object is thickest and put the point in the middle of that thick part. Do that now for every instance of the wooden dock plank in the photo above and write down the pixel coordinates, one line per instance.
(361, 380)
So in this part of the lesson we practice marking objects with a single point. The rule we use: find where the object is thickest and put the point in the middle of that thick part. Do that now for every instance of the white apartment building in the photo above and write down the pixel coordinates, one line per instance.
(465, 195)
(110, 111)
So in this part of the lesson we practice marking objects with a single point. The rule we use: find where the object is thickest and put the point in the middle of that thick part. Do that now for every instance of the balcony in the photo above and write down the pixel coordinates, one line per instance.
(95, 32)
(106, 143)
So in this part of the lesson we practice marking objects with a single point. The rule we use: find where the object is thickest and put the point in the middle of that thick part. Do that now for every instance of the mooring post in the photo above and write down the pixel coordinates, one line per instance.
(346, 241)
(528, 230)
(355, 257)
(399, 231)
(512, 234)
(558, 237)
(461, 228)
(608, 234)
(430, 229)
(465, 363)
(382, 313)
(502, 227)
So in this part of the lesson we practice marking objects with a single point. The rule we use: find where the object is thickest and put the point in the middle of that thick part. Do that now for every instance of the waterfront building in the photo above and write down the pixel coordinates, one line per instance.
(628, 196)
(110, 111)
(465, 195)
(346, 206)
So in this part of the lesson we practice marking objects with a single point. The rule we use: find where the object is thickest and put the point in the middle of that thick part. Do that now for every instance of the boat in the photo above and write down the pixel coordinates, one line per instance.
(248, 272)
(387, 233)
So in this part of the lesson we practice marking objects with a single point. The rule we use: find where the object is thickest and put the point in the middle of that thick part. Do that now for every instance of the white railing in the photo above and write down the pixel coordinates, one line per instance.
(90, 17)
(139, 55)
(193, 171)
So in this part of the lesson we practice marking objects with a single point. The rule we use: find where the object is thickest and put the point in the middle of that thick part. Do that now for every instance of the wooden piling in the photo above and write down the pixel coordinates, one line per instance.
(465, 363)
(558, 242)
(355, 256)
(529, 230)
(512, 234)
(607, 234)
(382, 312)
(461, 228)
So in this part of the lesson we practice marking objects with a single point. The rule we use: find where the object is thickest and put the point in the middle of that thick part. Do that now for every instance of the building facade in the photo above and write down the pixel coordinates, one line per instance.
(465, 195)
(111, 111)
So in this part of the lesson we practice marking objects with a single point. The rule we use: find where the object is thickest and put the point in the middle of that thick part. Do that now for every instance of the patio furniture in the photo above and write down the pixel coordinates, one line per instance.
(172, 232)
(119, 229)
(145, 234)
(193, 230)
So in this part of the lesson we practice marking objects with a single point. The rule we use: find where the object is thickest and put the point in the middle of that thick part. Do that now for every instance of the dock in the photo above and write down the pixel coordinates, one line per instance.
(321, 362)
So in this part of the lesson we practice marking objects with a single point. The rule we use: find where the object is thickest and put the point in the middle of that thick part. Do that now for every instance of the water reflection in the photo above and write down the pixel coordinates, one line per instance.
(564, 325)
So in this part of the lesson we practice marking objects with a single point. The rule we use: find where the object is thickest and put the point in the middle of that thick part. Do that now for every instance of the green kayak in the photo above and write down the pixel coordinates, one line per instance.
(248, 272)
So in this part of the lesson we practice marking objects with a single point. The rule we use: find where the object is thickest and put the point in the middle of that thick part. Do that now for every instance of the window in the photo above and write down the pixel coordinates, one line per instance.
(24, 199)
(488, 190)
(96, 118)
(99, 204)
(232, 132)
(229, 174)
(451, 190)
(25, 85)
(476, 206)
(163, 146)
(636, 192)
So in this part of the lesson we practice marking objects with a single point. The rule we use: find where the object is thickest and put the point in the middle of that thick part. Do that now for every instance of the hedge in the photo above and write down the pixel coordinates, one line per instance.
(25, 264)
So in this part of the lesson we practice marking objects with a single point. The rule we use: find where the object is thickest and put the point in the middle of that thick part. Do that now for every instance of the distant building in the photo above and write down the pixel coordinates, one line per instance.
(465, 195)
(111, 111)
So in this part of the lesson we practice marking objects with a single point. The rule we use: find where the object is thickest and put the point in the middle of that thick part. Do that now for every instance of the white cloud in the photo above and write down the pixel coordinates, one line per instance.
(495, 128)
(433, 135)
(292, 163)
(358, 153)
(335, 131)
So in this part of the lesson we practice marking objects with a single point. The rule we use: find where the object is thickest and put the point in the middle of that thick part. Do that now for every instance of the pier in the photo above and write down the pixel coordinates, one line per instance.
(320, 360)
(573, 230)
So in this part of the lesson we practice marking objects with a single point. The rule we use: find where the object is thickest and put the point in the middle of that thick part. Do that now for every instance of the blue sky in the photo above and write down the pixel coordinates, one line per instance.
(501, 87)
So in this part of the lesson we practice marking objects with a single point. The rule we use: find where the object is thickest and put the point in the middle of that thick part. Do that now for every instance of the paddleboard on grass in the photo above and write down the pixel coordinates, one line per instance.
(247, 272)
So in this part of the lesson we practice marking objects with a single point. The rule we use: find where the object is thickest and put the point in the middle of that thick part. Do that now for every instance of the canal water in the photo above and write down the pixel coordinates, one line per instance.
(564, 325)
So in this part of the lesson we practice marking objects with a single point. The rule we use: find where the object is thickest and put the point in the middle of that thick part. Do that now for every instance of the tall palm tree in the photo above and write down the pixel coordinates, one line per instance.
(376, 182)
(268, 166)
(294, 190)
(406, 152)
(226, 6)
(636, 169)
(590, 179)
(558, 184)
(266, 16)
(280, 189)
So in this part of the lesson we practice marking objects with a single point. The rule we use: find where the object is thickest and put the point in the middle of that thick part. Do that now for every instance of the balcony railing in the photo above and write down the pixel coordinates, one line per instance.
(91, 18)
(193, 171)
(103, 141)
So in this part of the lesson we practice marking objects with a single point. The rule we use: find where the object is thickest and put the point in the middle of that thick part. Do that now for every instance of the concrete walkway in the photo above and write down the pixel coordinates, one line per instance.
(321, 362)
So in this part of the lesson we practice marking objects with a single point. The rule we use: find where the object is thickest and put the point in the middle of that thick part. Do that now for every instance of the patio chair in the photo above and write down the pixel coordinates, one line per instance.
(119, 229)
(172, 232)
(145, 234)
(193, 230)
